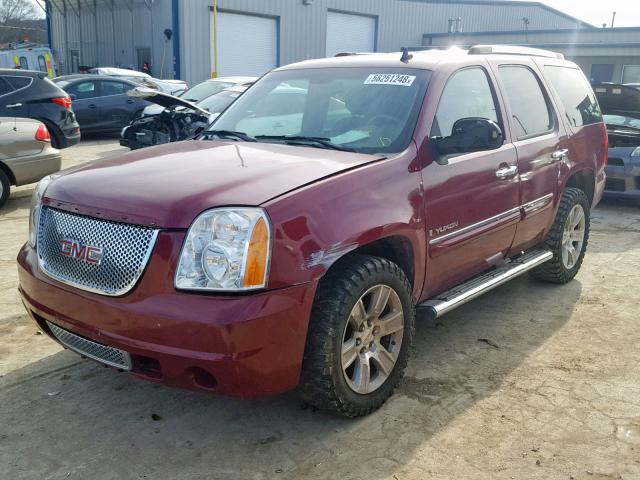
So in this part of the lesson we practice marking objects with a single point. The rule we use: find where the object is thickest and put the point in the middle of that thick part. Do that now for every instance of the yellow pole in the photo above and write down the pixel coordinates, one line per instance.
(215, 39)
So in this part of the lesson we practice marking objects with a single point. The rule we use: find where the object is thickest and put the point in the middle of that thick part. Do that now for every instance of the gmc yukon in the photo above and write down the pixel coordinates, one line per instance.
(292, 242)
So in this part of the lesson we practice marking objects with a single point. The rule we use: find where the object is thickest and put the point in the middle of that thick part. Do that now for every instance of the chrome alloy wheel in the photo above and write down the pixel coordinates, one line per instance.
(573, 236)
(372, 339)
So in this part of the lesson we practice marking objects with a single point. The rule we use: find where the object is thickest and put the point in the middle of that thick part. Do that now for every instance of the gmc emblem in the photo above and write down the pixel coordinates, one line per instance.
(85, 253)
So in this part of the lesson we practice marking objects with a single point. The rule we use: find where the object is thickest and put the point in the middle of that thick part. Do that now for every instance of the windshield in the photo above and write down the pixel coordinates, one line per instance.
(219, 102)
(621, 121)
(203, 90)
(367, 110)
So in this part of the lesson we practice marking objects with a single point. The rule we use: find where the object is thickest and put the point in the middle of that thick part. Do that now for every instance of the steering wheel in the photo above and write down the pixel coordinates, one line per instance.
(381, 119)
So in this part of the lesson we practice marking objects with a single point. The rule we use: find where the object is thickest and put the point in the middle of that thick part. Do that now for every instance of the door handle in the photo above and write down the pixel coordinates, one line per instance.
(92, 106)
(130, 100)
(14, 105)
(506, 172)
(559, 154)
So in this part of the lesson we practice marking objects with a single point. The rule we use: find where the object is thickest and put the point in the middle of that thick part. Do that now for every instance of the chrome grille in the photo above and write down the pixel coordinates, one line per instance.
(125, 251)
(102, 353)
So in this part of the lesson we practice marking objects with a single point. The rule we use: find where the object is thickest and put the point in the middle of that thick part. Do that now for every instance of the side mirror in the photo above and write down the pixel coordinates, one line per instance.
(470, 135)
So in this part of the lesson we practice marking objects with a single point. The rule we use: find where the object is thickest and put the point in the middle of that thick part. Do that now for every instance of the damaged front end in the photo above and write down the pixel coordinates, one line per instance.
(180, 120)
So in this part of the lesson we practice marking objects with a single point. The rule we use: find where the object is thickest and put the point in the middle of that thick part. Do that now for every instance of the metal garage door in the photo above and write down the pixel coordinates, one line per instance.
(247, 44)
(350, 33)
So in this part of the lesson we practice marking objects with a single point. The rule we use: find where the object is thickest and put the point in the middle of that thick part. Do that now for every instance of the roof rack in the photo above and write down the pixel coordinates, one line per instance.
(513, 50)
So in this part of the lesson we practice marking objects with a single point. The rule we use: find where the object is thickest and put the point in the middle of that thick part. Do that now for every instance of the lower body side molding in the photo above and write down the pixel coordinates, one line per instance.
(482, 283)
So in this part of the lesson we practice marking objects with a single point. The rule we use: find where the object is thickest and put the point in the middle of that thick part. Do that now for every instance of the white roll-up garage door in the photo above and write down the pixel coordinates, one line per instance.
(347, 32)
(247, 44)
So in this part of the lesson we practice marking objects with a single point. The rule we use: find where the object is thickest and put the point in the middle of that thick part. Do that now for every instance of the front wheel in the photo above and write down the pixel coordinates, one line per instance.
(567, 239)
(5, 186)
(360, 330)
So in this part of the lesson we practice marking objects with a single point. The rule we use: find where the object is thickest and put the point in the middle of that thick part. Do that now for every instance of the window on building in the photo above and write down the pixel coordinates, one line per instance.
(576, 95)
(631, 74)
(601, 72)
(466, 95)
(529, 108)
(82, 90)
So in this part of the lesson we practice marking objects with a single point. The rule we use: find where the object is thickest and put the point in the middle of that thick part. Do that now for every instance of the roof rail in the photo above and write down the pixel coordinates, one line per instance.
(513, 50)
(350, 54)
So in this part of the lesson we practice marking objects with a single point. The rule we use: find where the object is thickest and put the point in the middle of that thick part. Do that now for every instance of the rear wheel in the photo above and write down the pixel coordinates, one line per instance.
(568, 239)
(5, 186)
(360, 331)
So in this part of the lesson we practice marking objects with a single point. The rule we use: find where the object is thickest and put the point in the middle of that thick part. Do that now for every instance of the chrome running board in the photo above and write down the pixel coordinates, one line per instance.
(480, 284)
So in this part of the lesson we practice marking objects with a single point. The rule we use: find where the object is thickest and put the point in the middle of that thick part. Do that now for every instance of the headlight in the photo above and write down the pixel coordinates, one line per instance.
(636, 152)
(34, 211)
(226, 249)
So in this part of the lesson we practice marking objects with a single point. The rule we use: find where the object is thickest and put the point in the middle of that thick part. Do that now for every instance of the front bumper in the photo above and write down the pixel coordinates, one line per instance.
(244, 345)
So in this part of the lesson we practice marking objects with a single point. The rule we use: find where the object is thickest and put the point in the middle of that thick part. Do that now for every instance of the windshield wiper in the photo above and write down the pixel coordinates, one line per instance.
(321, 142)
(229, 134)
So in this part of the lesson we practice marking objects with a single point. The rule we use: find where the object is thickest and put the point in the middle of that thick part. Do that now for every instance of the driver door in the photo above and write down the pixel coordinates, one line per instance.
(471, 199)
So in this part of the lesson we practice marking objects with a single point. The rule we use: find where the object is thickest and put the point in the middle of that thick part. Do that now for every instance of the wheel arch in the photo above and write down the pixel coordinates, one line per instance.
(7, 171)
(584, 180)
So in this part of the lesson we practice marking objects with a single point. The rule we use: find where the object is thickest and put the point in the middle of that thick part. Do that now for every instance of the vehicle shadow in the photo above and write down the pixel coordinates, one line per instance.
(18, 200)
(67, 418)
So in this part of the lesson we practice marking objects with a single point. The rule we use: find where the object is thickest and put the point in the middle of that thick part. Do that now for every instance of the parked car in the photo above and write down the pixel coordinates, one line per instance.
(203, 90)
(620, 106)
(26, 154)
(164, 85)
(256, 259)
(101, 103)
(28, 94)
(634, 85)
(28, 56)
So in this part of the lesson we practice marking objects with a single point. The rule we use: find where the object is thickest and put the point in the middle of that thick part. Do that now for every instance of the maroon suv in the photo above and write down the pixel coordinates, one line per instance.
(292, 242)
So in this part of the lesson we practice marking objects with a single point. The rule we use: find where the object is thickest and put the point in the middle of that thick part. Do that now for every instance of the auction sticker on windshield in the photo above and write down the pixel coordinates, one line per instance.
(390, 79)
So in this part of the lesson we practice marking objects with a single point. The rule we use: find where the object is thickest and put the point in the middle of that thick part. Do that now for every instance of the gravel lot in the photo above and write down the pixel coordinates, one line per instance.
(529, 381)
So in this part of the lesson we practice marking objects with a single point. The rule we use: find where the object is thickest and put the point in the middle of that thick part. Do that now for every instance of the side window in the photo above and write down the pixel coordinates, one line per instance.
(42, 64)
(83, 90)
(24, 65)
(529, 108)
(466, 95)
(5, 87)
(576, 95)
(18, 82)
(114, 88)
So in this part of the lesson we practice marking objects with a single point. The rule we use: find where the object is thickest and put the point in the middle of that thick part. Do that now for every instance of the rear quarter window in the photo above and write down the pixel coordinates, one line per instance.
(576, 95)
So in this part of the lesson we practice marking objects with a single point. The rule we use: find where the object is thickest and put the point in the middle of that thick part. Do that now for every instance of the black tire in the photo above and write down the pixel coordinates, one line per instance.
(5, 186)
(323, 383)
(555, 271)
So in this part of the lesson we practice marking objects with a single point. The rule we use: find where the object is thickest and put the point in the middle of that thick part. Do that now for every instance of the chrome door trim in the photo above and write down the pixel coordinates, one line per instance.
(462, 231)
(537, 204)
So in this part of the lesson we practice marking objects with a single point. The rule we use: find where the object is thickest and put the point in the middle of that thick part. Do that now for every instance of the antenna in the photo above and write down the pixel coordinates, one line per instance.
(406, 56)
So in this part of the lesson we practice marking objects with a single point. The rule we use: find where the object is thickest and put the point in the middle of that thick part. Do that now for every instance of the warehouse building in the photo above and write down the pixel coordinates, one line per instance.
(604, 54)
(195, 39)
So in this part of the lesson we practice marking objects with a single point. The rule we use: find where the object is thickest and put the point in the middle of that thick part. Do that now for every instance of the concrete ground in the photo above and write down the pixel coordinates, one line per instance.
(530, 381)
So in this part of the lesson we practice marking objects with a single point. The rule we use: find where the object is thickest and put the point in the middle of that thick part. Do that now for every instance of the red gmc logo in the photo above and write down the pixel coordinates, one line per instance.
(86, 253)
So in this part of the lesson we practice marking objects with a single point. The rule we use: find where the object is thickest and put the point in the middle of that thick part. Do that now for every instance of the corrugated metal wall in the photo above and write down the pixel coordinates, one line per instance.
(109, 33)
(400, 23)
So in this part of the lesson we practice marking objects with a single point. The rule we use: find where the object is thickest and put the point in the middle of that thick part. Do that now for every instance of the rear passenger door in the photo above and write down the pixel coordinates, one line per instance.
(541, 145)
(84, 95)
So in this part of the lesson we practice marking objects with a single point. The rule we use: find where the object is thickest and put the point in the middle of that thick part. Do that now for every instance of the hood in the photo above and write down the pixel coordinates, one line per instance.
(165, 100)
(169, 185)
(618, 99)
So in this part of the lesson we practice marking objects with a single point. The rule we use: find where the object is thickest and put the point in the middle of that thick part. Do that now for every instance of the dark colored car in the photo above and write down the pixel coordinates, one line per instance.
(30, 94)
(293, 248)
(620, 106)
(101, 103)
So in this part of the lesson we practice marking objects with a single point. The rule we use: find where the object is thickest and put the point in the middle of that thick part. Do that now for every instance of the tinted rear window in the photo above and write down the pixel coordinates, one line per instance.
(529, 109)
(18, 82)
(576, 95)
